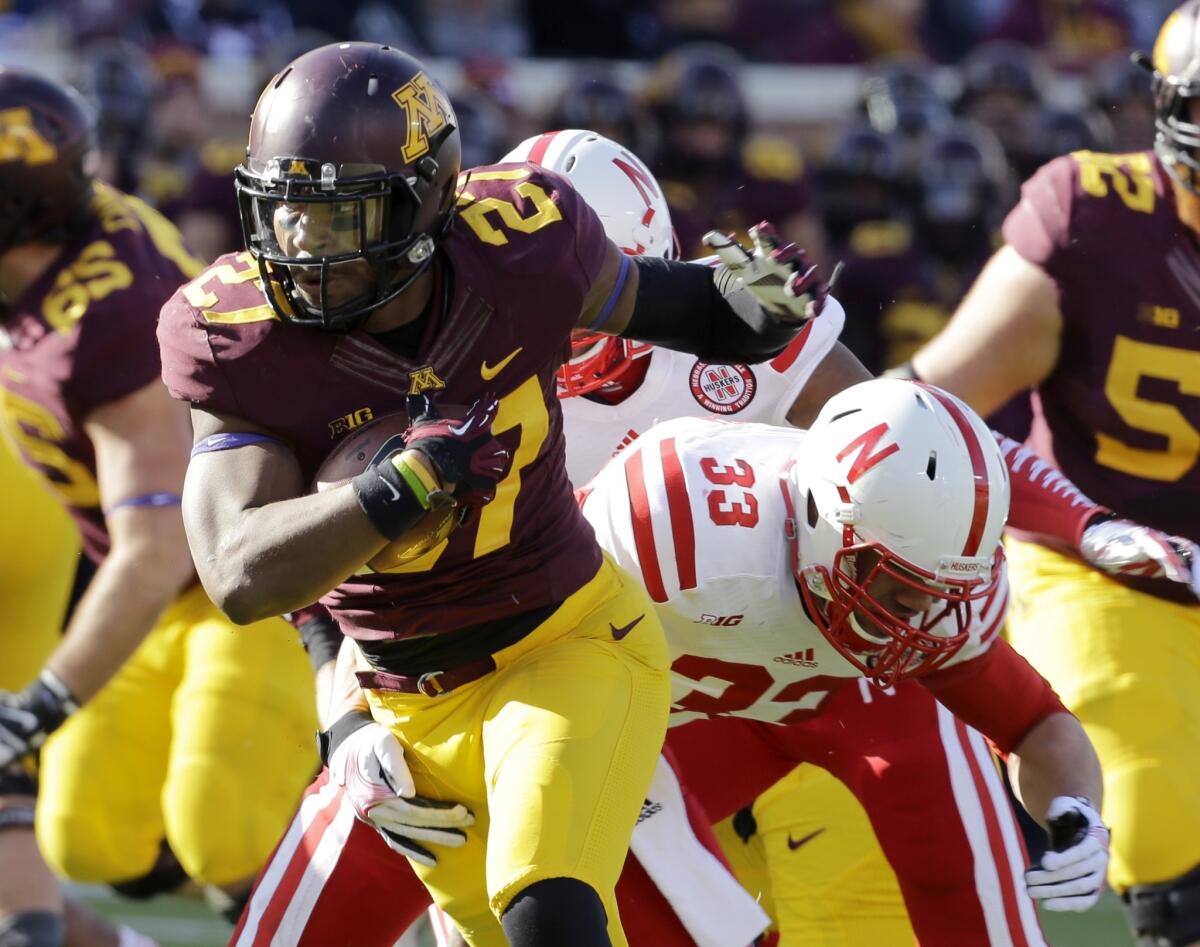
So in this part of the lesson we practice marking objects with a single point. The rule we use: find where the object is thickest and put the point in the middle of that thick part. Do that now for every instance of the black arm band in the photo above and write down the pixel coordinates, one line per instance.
(679, 306)
(387, 499)
(322, 639)
(329, 740)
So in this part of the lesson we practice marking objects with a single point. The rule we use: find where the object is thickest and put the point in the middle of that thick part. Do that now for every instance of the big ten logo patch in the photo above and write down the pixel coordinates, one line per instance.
(428, 111)
(350, 422)
(720, 621)
(723, 389)
(1166, 317)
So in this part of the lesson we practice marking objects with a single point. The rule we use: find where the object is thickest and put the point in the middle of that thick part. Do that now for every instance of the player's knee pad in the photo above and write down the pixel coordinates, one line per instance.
(33, 929)
(554, 912)
(165, 877)
(1166, 914)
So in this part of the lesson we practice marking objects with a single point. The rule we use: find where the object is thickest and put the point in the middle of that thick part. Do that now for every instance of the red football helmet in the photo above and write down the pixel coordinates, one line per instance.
(354, 146)
(630, 204)
(897, 498)
(46, 133)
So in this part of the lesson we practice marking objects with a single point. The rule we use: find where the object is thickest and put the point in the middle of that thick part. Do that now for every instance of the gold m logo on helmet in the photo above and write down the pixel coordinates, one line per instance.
(423, 380)
(20, 141)
(428, 113)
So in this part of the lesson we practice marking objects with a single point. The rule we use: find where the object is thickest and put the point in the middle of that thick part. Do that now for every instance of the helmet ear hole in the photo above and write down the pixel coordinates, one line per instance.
(931, 467)
(811, 512)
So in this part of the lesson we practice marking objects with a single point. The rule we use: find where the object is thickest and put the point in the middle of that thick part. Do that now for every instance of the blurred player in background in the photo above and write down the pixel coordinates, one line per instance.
(178, 755)
(1094, 302)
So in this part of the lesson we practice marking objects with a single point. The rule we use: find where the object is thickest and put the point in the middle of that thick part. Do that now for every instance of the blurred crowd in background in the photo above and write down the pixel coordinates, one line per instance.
(958, 101)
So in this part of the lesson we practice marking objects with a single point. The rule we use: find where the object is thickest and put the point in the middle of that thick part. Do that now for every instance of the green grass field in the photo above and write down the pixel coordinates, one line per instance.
(177, 923)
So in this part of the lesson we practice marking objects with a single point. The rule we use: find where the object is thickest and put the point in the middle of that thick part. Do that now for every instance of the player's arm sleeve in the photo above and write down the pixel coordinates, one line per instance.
(116, 352)
(190, 368)
(319, 633)
(1045, 506)
(558, 262)
(997, 693)
(1038, 228)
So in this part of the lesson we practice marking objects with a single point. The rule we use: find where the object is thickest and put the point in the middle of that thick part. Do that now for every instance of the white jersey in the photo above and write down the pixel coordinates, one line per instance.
(677, 385)
(695, 508)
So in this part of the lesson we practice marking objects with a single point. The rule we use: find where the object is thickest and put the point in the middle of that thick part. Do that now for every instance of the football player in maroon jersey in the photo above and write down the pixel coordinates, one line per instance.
(1095, 302)
(164, 755)
(514, 680)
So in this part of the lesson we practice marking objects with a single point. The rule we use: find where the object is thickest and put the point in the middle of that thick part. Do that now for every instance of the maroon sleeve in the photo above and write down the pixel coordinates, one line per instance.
(556, 262)
(189, 368)
(997, 693)
(116, 351)
(1039, 226)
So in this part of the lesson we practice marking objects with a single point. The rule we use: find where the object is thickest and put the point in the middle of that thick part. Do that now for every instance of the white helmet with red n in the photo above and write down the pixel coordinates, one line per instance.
(898, 479)
(631, 207)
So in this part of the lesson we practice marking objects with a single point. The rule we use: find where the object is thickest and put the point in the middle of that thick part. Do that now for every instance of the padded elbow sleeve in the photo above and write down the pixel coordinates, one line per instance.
(679, 306)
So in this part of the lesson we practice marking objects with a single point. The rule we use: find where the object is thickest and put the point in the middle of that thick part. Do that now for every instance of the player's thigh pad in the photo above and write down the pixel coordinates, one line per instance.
(1128, 665)
(101, 775)
(553, 752)
(39, 548)
(832, 885)
(242, 748)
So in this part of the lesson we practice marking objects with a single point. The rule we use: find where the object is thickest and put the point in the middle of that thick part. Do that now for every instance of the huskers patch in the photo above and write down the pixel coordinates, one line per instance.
(723, 389)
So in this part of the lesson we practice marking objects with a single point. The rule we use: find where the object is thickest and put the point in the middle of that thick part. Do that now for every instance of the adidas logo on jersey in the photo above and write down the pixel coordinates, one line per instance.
(629, 438)
(804, 659)
(649, 809)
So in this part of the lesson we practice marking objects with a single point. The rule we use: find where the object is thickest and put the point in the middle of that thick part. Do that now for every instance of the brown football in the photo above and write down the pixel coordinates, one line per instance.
(360, 450)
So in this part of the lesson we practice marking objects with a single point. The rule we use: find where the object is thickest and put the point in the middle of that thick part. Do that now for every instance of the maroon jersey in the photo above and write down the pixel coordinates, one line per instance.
(1120, 414)
(512, 277)
(81, 336)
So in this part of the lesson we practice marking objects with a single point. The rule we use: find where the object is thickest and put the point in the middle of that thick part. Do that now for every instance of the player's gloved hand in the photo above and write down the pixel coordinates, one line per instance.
(777, 275)
(368, 761)
(1071, 876)
(27, 718)
(462, 449)
(1122, 547)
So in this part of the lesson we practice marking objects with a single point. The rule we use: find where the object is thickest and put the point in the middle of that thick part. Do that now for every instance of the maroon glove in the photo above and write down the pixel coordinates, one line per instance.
(462, 449)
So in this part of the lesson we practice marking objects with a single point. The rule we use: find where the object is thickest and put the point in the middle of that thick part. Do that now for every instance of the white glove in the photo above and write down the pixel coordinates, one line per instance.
(778, 276)
(1122, 547)
(369, 763)
(1071, 876)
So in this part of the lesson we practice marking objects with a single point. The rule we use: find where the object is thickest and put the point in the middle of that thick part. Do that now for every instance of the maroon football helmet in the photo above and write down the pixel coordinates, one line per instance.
(46, 131)
(353, 155)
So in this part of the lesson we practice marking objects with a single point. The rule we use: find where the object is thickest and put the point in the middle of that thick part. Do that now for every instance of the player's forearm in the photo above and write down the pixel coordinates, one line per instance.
(281, 556)
(343, 694)
(1055, 759)
(131, 589)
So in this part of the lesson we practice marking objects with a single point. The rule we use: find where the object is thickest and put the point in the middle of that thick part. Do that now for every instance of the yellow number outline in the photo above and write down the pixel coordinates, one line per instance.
(1130, 175)
(474, 212)
(523, 408)
(91, 276)
(228, 275)
(1131, 361)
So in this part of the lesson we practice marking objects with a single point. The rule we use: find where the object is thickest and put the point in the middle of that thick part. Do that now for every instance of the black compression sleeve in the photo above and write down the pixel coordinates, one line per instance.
(679, 306)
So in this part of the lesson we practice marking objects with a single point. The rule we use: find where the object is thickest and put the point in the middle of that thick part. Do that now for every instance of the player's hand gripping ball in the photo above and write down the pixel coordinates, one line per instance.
(462, 453)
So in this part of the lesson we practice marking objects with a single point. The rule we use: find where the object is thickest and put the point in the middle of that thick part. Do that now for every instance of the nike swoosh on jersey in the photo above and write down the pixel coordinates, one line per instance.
(619, 633)
(488, 372)
(794, 844)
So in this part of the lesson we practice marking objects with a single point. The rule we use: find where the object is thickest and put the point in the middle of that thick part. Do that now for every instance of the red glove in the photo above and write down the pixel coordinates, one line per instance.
(462, 449)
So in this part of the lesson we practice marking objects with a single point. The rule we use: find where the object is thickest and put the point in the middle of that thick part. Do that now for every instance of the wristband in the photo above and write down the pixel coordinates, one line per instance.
(329, 740)
(392, 505)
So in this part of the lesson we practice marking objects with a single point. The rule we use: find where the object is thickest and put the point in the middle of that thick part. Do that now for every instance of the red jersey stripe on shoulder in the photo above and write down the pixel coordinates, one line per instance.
(643, 527)
(540, 147)
(978, 469)
(999, 850)
(683, 531)
(787, 358)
